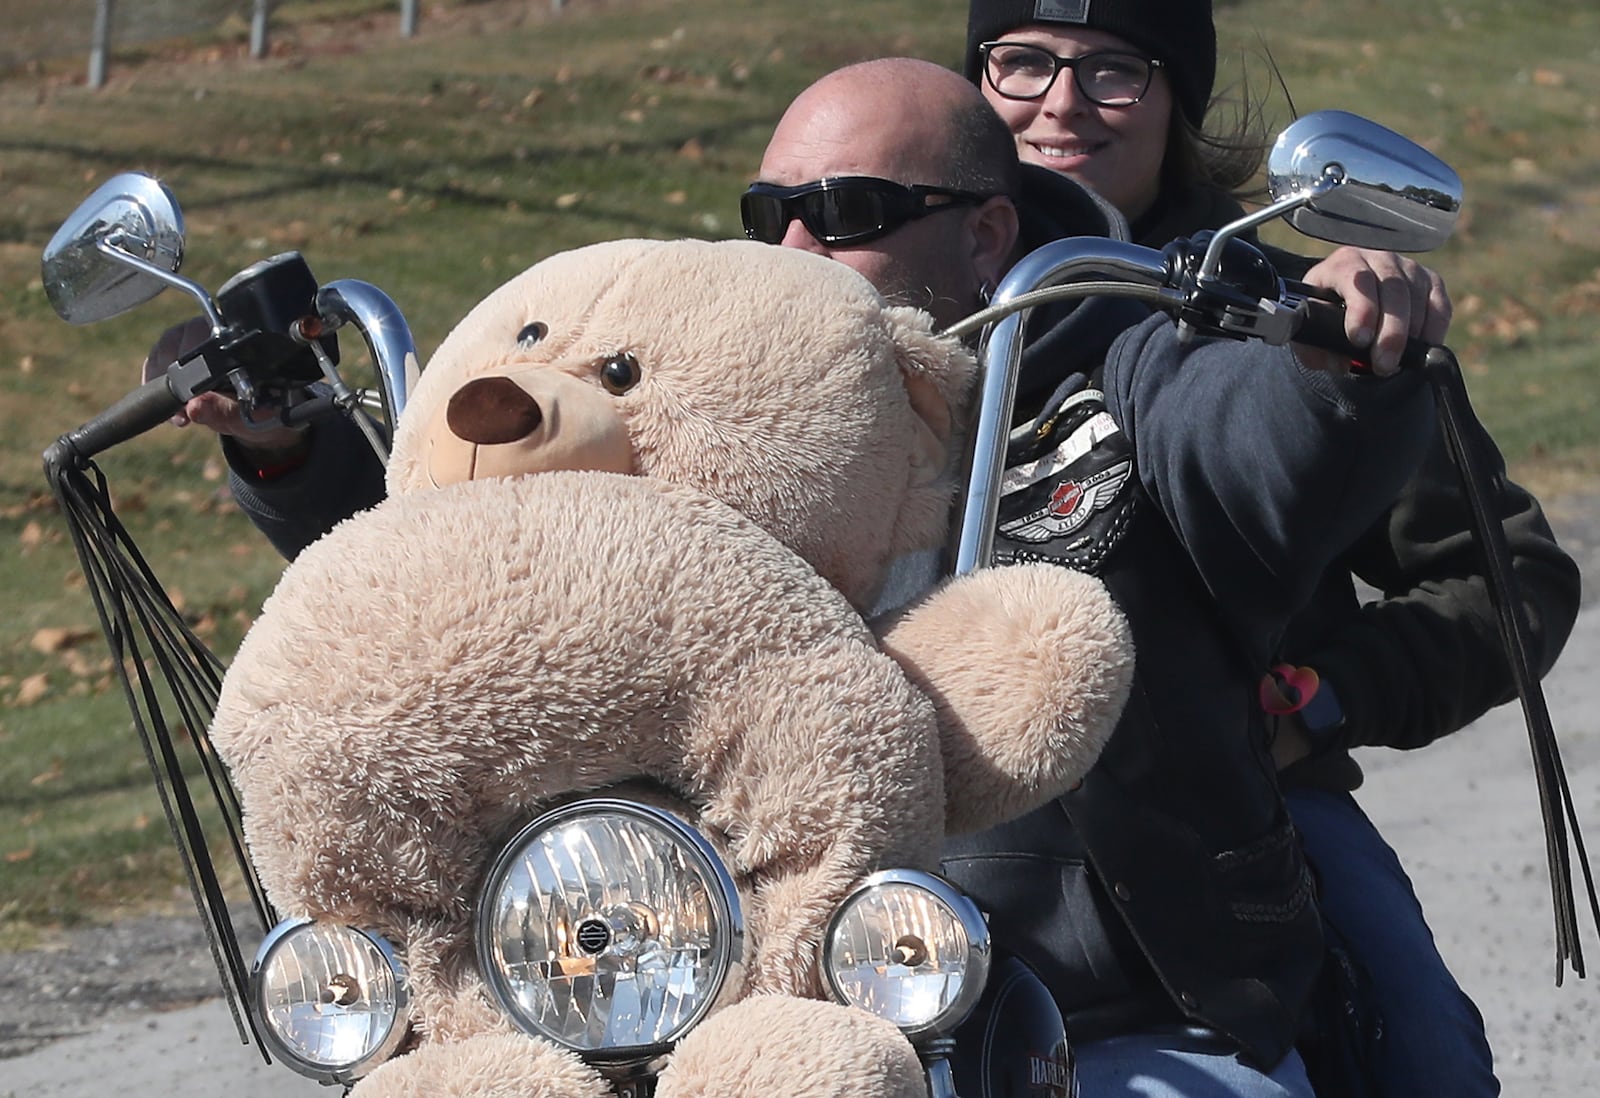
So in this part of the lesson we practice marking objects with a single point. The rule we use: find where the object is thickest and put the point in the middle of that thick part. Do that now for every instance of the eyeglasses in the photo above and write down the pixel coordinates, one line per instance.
(843, 209)
(1110, 78)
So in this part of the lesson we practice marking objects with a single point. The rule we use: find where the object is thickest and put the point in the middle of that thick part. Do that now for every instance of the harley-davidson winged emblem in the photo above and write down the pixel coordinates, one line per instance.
(1073, 503)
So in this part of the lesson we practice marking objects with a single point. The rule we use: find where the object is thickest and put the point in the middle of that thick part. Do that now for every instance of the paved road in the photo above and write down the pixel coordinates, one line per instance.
(1464, 816)
(182, 1052)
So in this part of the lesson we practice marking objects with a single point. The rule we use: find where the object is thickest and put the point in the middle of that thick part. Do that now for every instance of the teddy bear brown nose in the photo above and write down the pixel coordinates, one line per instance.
(492, 410)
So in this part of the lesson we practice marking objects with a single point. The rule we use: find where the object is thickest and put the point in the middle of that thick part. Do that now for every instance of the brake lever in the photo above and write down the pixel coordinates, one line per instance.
(1248, 301)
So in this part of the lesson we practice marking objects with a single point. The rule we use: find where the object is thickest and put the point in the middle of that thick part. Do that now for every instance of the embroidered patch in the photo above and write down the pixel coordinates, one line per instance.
(1070, 505)
(1094, 430)
(1069, 493)
(1061, 11)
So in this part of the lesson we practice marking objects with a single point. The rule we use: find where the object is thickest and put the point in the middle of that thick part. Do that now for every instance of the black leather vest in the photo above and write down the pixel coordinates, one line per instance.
(1170, 884)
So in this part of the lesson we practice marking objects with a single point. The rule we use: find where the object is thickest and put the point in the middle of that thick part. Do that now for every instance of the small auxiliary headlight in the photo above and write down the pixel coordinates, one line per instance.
(608, 927)
(909, 947)
(329, 1000)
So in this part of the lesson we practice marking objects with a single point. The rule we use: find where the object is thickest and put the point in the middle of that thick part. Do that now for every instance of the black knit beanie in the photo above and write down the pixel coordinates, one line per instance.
(1178, 33)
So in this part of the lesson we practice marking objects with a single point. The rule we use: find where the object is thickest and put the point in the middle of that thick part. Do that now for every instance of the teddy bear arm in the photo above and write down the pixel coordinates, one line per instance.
(1029, 667)
(820, 764)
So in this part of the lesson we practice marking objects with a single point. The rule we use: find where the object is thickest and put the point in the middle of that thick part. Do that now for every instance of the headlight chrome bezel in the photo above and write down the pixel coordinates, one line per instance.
(962, 913)
(719, 891)
(284, 936)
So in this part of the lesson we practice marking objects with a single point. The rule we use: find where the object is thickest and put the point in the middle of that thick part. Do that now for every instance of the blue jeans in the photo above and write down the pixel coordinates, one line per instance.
(1433, 1041)
(1175, 1065)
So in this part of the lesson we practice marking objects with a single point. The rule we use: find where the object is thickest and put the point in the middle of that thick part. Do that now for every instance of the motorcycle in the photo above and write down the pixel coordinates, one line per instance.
(330, 1001)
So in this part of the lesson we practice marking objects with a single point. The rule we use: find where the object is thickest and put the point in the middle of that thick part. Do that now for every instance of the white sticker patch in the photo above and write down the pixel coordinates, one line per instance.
(1089, 434)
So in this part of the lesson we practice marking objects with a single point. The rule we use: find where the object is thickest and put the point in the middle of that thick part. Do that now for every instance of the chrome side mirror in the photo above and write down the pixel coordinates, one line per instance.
(1368, 186)
(117, 250)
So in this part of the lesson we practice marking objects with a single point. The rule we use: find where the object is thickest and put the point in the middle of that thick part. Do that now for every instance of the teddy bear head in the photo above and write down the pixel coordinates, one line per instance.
(773, 380)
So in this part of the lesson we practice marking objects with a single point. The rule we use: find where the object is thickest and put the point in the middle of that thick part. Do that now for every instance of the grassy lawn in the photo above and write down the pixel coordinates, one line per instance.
(438, 166)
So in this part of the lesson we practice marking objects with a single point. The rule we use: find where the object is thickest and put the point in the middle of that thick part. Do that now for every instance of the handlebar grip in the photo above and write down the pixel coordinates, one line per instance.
(307, 411)
(146, 407)
(1324, 327)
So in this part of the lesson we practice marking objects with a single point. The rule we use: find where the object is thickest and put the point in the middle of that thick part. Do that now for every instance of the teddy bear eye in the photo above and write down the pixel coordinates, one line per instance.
(532, 333)
(619, 373)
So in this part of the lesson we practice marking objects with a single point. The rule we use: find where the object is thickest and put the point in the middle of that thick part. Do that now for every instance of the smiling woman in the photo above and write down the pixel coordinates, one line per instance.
(1133, 132)
(1130, 123)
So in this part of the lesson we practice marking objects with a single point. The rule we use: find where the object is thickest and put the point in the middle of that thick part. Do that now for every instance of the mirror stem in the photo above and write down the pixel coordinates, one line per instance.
(109, 248)
(1219, 242)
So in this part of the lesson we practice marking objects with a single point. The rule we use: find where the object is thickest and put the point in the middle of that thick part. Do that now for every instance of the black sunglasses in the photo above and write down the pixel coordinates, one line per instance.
(843, 209)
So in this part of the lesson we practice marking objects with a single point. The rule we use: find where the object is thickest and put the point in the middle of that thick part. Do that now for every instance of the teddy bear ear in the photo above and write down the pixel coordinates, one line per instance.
(938, 372)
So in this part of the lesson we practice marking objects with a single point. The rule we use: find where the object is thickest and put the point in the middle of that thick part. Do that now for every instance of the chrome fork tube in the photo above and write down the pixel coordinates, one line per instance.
(1126, 268)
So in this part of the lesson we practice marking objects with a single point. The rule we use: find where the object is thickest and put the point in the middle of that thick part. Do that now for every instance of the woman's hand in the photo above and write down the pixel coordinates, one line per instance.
(1388, 298)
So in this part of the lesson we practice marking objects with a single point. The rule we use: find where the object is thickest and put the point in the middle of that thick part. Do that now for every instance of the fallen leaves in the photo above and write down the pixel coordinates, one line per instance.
(53, 639)
(1583, 299)
(32, 690)
(1507, 321)
(36, 502)
(88, 666)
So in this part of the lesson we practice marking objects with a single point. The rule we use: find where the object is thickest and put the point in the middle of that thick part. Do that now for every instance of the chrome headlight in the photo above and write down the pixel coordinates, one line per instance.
(329, 1000)
(910, 947)
(608, 927)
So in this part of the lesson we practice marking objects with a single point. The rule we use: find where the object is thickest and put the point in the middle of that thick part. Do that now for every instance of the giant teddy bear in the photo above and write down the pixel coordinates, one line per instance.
(639, 503)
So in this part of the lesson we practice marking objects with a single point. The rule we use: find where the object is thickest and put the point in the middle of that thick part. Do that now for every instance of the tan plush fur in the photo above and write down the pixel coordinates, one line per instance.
(1042, 653)
(654, 584)
(497, 1066)
(828, 1051)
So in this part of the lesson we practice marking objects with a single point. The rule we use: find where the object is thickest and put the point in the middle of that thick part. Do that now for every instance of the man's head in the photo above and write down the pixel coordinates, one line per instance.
(916, 124)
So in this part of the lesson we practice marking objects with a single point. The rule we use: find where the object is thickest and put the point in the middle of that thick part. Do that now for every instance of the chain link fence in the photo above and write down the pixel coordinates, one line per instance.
(48, 30)
(39, 31)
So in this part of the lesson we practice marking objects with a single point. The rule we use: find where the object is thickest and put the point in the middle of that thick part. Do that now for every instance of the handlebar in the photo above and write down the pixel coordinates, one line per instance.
(241, 360)
(1237, 293)
(144, 408)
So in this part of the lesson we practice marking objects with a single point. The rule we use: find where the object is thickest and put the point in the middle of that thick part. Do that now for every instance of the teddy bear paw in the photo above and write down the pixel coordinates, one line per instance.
(497, 1065)
(800, 1048)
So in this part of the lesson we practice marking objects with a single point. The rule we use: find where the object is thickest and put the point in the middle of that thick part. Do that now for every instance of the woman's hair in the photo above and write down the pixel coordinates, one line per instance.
(1226, 157)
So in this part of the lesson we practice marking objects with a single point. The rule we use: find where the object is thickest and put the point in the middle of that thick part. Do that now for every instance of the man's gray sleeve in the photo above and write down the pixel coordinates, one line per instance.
(1265, 470)
(339, 476)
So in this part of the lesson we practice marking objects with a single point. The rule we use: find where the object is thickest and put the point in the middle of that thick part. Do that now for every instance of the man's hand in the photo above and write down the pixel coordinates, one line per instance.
(218, 411)
(1387, 299)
